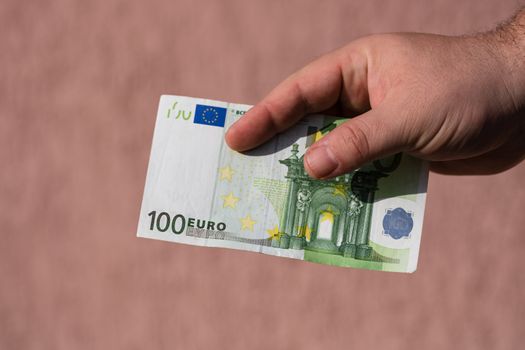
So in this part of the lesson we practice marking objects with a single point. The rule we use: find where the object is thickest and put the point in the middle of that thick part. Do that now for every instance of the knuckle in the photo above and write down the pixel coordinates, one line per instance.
(304, 103)
(353, 141)
(274, 122)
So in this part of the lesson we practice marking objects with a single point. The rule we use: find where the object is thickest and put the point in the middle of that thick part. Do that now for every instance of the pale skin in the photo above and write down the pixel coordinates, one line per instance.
(458, 102)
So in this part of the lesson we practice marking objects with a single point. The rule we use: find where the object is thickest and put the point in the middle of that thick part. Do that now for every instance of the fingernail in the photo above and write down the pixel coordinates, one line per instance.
(321, 161)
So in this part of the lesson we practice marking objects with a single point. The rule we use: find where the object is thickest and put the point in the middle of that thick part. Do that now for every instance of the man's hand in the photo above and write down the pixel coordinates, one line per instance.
(455, 101)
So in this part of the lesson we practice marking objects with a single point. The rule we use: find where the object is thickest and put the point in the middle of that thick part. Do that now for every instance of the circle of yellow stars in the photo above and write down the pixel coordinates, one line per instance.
(230, 201)
(213, 119)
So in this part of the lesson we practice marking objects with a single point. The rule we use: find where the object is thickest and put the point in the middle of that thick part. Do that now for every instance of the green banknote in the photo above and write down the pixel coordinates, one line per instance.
(198, 191)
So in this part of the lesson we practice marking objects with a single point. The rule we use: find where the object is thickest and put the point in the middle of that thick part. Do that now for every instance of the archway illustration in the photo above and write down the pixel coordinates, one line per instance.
(327, 211)
(329, 216)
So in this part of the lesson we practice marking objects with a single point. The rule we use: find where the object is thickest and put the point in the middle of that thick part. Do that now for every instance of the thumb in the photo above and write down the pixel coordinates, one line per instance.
(356, 142)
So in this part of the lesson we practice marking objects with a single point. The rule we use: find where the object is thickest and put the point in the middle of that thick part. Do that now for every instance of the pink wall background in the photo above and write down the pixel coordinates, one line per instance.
(79, 87)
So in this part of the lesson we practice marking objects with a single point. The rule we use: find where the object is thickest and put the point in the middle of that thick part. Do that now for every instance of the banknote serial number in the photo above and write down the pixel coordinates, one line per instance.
(178, 223)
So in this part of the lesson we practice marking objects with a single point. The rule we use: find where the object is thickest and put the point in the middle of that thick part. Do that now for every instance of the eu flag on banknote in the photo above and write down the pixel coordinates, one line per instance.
(210, 115)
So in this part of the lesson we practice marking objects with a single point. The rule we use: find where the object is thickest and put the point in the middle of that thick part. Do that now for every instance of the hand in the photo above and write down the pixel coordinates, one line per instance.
(455, 101)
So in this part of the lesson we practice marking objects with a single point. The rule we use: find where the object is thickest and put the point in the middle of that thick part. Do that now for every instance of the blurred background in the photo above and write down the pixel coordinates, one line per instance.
(79, 87)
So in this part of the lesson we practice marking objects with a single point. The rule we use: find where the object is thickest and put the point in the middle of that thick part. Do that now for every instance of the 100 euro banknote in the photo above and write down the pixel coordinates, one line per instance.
(199, 191)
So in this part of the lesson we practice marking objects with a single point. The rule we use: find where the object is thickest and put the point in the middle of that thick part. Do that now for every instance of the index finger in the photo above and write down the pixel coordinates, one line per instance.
(312, 89)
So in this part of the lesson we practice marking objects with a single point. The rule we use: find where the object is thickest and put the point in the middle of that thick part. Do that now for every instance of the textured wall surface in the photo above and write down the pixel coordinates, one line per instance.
(79, 87)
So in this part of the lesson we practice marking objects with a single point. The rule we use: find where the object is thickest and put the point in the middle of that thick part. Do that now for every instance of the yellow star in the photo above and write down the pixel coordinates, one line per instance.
(339, 190)
(305, 231)
(273, 233)
(318, 135)
(247, 223)
(226, 173)
(229, 200)
(327, 216)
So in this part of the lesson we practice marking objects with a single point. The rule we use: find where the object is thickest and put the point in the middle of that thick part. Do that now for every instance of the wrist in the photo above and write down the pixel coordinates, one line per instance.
(507, 45)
